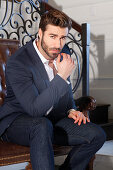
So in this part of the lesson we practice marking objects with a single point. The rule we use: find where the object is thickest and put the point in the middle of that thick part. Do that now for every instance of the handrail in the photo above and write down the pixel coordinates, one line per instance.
(75, 25)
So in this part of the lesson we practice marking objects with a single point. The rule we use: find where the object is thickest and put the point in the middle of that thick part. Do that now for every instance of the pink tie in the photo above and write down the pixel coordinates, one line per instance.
(53, 67)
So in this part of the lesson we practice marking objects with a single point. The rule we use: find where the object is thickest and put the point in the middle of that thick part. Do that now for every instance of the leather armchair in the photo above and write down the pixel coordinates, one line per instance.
(12, 153)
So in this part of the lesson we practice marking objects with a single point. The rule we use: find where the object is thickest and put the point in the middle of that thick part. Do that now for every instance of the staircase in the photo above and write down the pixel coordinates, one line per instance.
(104, 157)
(100, 117)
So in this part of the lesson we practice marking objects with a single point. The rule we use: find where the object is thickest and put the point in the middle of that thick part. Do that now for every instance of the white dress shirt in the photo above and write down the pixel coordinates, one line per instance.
(45, 62)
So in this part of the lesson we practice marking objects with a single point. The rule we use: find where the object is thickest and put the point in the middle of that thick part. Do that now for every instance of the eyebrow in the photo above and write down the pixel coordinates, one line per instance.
(57, 35)
(64, 36)
(53, 34)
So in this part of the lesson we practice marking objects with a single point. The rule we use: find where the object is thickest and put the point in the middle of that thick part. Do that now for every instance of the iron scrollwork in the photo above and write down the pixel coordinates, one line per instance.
(19, 20)
(76, 53)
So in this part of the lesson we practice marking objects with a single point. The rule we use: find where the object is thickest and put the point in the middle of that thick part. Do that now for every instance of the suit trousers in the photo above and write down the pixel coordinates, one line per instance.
(40, 133)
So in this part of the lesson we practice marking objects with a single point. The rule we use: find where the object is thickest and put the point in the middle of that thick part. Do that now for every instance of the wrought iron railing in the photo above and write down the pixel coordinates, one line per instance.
(19, 20)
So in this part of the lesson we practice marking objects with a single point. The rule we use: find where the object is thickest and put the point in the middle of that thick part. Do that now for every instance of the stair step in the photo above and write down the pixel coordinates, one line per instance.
(100, 114)
(104, 157)
(107, 149)
(108, 128)
(108, 123)
(103, 162)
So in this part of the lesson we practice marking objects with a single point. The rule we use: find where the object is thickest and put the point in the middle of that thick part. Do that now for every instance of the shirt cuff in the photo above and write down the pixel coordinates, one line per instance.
(65, 80)
(70, 111)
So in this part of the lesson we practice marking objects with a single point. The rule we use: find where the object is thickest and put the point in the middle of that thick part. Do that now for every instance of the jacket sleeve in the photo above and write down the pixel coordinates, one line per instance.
(27, 94)
(71, 102)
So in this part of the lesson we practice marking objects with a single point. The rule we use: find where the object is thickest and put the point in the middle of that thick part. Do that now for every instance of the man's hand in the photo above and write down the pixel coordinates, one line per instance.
(66, 66)
(78, 117)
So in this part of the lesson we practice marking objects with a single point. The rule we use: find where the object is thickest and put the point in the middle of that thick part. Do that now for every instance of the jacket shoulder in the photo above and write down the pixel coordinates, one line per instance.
(22, 55)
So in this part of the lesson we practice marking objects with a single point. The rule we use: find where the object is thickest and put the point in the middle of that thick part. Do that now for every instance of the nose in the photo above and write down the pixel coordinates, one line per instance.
(58, 43)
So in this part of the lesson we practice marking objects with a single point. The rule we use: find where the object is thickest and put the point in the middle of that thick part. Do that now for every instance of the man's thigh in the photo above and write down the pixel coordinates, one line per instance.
(66, 132)
(20, 130)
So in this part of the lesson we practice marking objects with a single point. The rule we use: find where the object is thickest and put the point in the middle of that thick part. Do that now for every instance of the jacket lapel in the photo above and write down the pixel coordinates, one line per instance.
(37, 65)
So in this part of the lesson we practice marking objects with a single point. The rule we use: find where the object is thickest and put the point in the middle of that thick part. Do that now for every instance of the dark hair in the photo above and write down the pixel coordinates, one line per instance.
(55, 17)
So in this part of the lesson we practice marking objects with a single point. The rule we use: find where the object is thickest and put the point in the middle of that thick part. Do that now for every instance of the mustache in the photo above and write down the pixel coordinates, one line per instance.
(58, 49)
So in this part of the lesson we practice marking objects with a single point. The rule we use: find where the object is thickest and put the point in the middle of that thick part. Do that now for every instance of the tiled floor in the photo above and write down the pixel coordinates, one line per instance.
(104, 157)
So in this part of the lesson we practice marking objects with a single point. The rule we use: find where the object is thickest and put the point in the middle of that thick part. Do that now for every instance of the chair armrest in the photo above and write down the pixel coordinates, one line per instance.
(85, 104)
(2, 96)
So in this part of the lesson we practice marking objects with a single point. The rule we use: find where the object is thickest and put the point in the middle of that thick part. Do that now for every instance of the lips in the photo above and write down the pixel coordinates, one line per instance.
(55, 50)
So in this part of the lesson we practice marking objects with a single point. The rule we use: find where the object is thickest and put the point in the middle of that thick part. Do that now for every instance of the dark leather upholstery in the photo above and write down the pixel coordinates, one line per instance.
(7, 48)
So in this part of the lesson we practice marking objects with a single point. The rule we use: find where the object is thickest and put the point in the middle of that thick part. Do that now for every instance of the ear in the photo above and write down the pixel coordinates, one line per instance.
(40, 33)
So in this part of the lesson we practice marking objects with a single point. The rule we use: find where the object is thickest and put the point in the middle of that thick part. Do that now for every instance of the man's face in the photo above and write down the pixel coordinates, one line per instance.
(52, 41)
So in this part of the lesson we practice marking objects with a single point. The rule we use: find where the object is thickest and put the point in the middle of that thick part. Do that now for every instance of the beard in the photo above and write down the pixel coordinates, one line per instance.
(47, 50)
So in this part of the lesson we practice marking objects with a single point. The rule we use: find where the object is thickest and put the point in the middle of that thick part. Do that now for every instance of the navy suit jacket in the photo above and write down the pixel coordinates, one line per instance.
(29, 90)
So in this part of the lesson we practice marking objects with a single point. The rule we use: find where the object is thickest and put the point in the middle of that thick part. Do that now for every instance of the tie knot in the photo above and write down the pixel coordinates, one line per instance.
(51, 64)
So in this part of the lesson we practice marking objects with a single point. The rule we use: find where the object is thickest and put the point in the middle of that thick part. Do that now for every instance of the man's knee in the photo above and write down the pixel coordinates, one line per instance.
(101, 135)
(98, 135)
(41, 128)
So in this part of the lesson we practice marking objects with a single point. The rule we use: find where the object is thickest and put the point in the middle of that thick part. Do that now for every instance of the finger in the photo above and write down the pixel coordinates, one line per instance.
(79, 118)
(79, 121)
(72, 116)
(84, 119)
(76, 121)
(58, 58)
(64, 55)
(68, 56)
(88, 120)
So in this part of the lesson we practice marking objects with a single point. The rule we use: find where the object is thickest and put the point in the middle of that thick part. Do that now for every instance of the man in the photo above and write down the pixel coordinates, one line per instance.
(39, 109)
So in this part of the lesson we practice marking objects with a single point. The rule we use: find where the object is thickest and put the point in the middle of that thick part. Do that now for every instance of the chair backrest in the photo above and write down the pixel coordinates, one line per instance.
(7, 48)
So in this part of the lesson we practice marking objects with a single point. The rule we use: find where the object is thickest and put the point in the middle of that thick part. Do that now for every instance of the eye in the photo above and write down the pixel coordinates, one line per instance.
(52, 36)
(63, 38)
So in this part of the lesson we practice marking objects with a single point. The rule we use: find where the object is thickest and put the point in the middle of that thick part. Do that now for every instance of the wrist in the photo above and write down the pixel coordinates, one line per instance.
(69, 111)
(62, 76)
(68, 82)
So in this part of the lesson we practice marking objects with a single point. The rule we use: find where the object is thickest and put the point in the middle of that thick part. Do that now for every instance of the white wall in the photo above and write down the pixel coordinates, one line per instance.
(99, 14)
